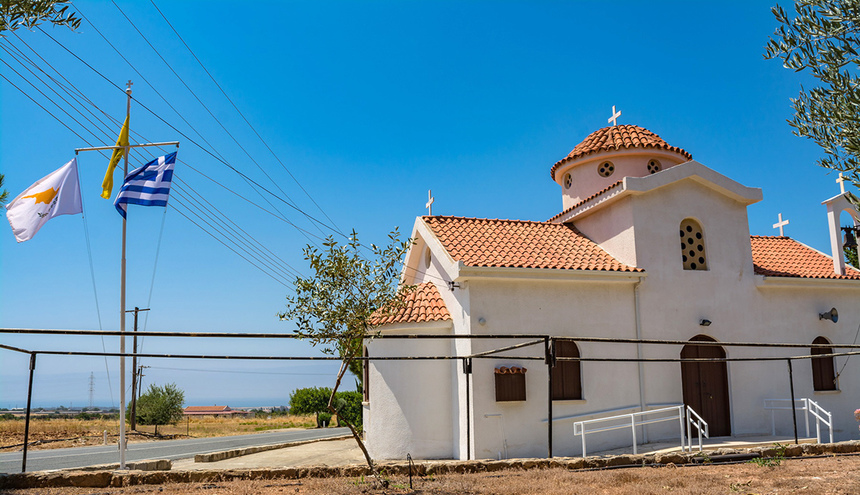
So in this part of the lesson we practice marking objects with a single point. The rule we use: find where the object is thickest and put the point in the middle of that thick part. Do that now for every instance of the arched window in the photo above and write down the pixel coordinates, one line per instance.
(823, 375)
(693, 251)
(365, 386)
(566, 375)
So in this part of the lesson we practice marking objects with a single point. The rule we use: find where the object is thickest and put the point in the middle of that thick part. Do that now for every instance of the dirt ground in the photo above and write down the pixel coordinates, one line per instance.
(819, 476)
(71, 432)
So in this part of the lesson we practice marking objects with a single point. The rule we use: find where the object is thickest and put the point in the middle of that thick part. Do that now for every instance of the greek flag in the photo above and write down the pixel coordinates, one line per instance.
(147, 186)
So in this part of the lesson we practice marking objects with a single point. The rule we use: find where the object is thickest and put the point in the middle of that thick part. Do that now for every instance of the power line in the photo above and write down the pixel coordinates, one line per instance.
(224, 128)
(243, 115)
(75, 98)
(237, 372)
(242, 244)
(243, 231)
(230, 248)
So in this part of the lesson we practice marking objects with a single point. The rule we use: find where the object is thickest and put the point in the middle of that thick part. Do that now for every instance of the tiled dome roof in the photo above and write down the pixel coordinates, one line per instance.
(614, 138)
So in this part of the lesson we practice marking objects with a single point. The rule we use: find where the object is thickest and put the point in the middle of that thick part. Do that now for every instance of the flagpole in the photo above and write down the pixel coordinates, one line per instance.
(107, 190)
(122, 442)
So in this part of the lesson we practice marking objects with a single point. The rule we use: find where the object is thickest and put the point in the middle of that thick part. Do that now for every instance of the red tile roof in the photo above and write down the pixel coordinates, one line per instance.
(422, 304)
(586, 200)
(521, 244)
(615, 138)
(513, 370)
(776, 256)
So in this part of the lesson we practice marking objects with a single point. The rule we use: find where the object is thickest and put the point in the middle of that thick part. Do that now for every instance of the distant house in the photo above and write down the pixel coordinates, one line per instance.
(215, 411)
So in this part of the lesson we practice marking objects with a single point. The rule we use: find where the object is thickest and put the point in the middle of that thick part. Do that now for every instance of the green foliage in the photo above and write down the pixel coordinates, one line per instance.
(311, 400)
(774, 461)
(823, 39)
(335, 308)
(160, 405)
(7, 417)
(30, 13)
(851, 256)
(348, 406)
(4, 194)
(323, 419)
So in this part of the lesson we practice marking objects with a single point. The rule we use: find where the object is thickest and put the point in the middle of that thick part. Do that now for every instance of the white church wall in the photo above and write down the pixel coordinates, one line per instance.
(410, 401)
(675, 300)
(612, 229)
(548, 308)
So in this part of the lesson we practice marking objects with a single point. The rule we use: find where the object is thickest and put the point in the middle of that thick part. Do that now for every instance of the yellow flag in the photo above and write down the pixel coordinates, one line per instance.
(122, 140)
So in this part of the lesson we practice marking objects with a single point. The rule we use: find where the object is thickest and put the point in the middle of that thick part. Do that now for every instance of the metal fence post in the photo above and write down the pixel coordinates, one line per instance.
(27, 422)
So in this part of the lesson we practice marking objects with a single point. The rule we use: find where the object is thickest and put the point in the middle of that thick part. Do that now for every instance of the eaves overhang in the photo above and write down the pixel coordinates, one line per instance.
(423, 327)
(805, 283)
(631, 186)
(466, 273)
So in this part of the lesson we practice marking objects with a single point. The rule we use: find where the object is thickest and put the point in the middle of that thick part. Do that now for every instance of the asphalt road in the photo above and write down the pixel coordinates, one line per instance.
(39, 460)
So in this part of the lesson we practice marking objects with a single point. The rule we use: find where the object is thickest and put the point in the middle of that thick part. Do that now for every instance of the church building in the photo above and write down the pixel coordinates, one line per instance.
(648, 244)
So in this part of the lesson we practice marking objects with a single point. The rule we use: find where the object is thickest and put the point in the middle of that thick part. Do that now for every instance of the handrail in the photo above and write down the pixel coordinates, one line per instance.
(698, 424)
(819, 412)
(580, 427)
(808, 406)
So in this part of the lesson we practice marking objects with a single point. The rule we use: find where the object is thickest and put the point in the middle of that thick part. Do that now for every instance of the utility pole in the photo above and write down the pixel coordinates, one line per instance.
(140, 379)
(134, 371)
(92, 389)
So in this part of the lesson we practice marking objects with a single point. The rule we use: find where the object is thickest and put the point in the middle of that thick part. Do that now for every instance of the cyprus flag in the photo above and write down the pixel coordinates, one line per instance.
(58, 193)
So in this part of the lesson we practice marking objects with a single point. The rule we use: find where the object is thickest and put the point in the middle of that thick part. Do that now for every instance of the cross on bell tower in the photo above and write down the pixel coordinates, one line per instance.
(841, 181)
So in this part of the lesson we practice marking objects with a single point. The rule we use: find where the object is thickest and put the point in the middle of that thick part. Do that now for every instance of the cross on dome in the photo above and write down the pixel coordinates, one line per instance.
(780, 224)
(615, 115)
(429, 204)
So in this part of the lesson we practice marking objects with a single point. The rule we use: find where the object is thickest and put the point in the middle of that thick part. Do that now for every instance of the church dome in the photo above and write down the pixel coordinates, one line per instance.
(618, 138)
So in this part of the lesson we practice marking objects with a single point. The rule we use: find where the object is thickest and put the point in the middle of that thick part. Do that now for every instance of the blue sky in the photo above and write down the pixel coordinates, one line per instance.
(368, 105)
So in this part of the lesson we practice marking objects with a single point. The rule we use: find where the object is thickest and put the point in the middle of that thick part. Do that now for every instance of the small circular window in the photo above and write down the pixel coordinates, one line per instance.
(427, 257)
(653, 166)
(605, 169)
(568, 181)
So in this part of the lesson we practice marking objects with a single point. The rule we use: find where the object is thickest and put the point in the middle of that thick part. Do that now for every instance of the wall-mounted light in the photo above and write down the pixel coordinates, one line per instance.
(482, 321)
(705, 323)
(831, 315)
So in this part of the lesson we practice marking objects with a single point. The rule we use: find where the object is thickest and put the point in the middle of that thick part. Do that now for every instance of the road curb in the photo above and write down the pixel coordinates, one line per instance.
(229, 454)
(103, 479)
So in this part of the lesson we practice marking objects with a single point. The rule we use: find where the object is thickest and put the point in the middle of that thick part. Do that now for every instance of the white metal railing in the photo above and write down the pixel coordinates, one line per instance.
(680, 413)
(808, 406)
(701, 427)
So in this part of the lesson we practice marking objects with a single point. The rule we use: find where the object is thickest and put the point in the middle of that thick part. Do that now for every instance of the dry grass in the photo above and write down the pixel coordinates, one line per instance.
(89, 432)
(831, 475)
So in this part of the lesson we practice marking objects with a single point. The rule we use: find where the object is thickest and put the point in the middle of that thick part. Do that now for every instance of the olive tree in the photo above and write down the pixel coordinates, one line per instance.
(160, 405)
(30, 13)
(335, 307)
(821, 38)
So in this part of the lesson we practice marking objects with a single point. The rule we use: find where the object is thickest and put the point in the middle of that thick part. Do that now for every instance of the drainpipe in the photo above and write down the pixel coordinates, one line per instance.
(640, 364)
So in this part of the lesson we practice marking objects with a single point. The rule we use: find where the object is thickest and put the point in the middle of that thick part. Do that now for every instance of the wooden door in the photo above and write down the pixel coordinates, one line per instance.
(706, 385)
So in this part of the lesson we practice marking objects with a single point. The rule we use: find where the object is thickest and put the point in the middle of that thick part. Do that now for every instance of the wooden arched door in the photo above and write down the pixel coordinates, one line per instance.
(706, 385)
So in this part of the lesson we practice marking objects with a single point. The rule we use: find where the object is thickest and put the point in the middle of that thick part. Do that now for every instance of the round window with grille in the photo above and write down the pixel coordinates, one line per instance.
(568, 181)
(654, 166)
(605, 169)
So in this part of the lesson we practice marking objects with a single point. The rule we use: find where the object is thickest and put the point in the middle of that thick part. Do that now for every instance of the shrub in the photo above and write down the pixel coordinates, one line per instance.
(348, 405)
(323, 419)
(313, 400)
